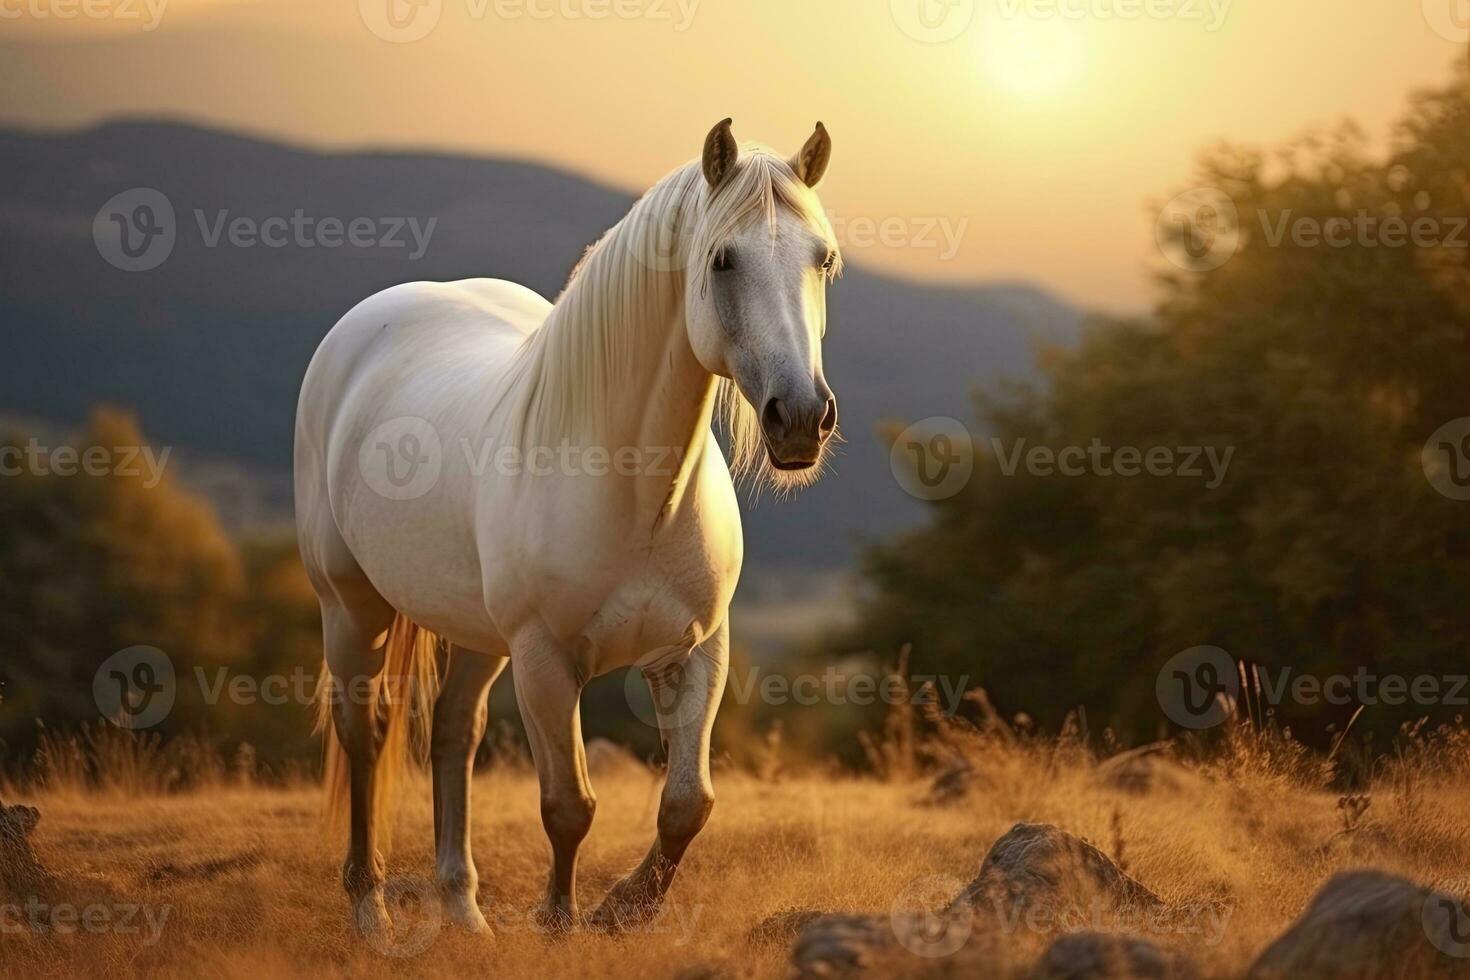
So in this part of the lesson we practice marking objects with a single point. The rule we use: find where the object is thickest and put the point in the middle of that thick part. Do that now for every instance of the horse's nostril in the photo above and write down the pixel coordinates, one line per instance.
(775, 417)
(829, 419)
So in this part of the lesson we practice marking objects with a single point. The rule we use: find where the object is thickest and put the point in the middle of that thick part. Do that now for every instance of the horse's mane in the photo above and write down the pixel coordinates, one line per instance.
(631, 281)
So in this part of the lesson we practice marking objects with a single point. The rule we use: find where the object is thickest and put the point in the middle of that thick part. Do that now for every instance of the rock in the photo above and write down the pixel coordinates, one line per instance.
(1044, 873)
(1035, 881)
(1366, 924)
(608, 758)
(1104, 956)
(20, 874)
(836, 945)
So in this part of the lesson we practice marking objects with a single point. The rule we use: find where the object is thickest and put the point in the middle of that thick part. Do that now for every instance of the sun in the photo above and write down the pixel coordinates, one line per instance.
(1030, 58)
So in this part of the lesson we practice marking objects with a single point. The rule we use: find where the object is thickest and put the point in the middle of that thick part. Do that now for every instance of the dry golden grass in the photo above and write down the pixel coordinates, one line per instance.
(249, 884)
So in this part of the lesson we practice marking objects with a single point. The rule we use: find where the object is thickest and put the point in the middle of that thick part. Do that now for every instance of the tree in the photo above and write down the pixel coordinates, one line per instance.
(95, 562)
(1325, 367)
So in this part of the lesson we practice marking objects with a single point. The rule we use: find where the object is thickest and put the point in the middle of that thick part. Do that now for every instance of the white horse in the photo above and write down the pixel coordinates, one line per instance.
(538, 482)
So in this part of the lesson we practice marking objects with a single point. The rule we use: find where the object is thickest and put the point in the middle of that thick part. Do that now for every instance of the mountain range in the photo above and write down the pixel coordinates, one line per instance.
(207, 346)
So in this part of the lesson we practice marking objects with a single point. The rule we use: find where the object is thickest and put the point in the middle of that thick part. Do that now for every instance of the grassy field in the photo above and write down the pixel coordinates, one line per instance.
(236, 879)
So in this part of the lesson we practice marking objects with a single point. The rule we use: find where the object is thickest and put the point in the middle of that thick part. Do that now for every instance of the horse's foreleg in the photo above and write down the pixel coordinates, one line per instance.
(459, 724)
(549, 691)
(686, 698)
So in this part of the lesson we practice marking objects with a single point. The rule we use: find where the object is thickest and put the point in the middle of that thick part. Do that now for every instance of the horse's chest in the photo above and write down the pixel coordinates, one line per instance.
(672, 601)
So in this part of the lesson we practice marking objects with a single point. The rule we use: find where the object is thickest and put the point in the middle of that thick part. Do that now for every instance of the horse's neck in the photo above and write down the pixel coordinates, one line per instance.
(619, 331)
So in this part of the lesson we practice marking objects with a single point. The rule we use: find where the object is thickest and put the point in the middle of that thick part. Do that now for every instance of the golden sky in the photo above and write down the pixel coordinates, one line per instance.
(974, 139)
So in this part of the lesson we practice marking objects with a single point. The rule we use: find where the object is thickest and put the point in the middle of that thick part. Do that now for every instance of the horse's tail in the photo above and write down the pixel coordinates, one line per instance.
(404, 712)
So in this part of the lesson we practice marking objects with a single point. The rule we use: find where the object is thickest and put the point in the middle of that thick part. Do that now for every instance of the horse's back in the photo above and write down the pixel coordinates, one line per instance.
(405, 344)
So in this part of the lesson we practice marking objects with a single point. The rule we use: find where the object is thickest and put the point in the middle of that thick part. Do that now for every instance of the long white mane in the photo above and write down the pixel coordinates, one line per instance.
(631, 282)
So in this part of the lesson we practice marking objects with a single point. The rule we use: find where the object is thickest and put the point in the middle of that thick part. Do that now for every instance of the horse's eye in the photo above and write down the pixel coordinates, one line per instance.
(829, 262)
(724, 261)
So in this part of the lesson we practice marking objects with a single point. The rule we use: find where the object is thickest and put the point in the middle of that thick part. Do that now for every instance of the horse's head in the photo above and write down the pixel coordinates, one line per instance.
(762, 254)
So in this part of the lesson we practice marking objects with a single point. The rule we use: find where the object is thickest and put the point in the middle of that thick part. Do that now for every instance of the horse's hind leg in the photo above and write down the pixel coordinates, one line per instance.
(355, 622)
(686, 698)
(459, 724)
(549, 691)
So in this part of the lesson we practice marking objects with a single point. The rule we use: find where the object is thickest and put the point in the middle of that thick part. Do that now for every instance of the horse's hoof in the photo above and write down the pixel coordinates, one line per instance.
(623, 909)
(461, 911)
(556, 920)
(371, 916)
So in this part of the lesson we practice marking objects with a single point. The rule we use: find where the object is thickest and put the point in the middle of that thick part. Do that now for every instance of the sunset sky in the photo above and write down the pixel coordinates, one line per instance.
(975, 140)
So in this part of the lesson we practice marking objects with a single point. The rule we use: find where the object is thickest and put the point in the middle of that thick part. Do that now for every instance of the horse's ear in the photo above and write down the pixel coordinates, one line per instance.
(811, 163)
(720, 153)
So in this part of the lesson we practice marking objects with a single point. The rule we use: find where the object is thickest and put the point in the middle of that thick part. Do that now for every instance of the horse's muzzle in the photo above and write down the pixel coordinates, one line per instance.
(796, 429)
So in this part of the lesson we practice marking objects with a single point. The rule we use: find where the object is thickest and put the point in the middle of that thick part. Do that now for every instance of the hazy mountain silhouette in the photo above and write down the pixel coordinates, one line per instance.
(209, 347)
